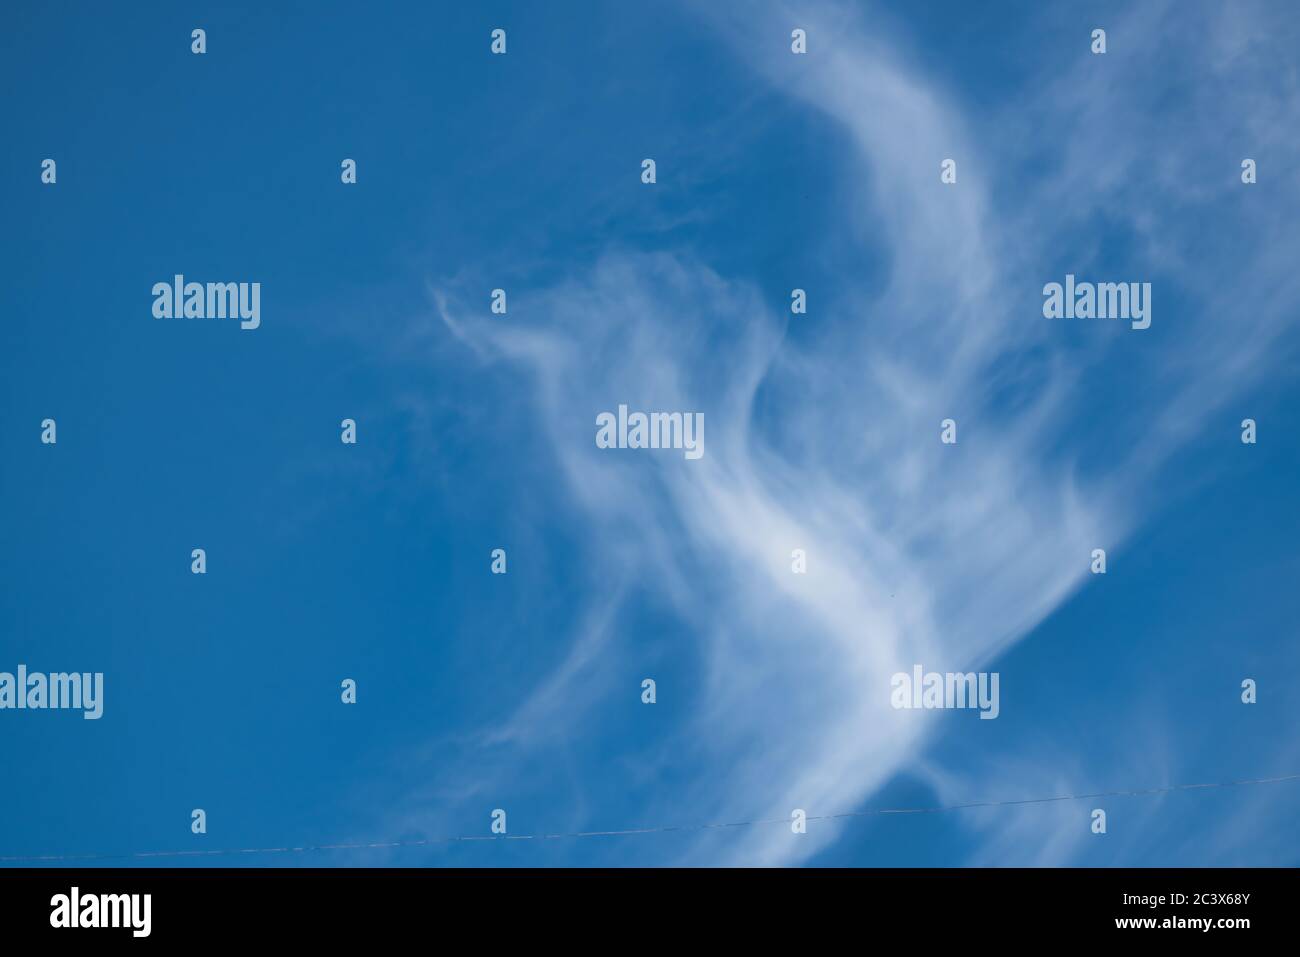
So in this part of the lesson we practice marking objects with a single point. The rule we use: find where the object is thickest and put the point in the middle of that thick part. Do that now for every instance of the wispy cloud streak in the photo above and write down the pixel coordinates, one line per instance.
(918, 552)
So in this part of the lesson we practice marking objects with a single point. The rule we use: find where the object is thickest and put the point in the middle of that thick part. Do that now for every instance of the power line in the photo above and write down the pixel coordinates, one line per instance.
(625, 832)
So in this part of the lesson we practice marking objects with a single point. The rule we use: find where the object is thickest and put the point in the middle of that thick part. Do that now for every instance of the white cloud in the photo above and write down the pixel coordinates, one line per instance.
(918, 552)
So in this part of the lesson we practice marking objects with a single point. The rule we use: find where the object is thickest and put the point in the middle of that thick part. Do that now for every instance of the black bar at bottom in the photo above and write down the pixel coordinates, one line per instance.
(335, 906)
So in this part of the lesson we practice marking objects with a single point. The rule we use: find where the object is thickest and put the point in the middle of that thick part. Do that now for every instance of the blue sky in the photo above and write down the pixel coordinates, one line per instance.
(775, 171)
